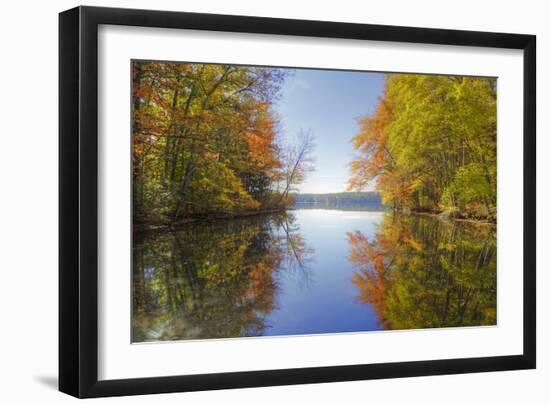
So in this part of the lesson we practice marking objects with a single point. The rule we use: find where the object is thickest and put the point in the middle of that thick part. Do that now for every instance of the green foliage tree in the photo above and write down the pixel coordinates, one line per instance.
(431, 145)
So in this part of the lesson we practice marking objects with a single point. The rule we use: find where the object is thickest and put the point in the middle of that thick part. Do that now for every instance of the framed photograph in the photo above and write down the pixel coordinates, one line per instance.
(250, 201)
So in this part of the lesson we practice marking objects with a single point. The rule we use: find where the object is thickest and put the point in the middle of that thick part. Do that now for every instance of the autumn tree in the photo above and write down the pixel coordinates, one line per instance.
(431, 145)
(206, 140)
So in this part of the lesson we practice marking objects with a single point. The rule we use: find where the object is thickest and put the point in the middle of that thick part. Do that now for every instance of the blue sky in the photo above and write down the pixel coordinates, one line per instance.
(328, 103)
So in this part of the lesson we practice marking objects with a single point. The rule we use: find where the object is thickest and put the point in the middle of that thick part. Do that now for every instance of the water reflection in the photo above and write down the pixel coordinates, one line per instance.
(213, 280)
(312, 271)
(422, 272)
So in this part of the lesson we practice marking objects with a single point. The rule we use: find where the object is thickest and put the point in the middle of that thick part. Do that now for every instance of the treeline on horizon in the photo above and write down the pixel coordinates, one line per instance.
(430, 145)
(340, 199)
(206, 142)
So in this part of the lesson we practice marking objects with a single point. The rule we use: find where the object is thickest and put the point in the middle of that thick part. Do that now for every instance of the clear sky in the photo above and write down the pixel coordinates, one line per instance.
(329, 103)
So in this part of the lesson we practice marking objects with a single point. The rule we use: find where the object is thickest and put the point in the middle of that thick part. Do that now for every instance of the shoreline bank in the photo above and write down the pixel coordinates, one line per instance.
(442, 215)
(207, 218)
(219, 217)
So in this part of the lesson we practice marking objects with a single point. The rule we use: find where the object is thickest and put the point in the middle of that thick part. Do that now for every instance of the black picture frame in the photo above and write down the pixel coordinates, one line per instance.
(78, 201)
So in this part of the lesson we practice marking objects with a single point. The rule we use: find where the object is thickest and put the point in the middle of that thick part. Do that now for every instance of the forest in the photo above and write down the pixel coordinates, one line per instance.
(226, 245)
(206, 142)
(430, 146)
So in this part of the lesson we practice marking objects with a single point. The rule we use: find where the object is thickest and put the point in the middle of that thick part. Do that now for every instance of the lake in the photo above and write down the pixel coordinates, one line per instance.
(312, 271)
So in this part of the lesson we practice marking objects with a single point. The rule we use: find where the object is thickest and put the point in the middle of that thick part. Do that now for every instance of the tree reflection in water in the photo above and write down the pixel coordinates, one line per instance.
(213, 280)
(423, 272)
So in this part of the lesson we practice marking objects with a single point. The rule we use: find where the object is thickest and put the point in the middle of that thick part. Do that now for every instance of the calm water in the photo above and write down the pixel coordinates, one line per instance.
(312, 271)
